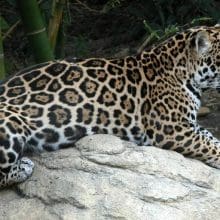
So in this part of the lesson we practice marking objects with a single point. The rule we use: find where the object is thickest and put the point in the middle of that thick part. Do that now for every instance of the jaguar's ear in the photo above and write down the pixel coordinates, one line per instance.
(200, 43)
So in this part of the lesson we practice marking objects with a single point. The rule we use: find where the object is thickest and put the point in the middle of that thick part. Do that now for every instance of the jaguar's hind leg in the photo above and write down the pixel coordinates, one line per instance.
(13, 168)
(17, 173)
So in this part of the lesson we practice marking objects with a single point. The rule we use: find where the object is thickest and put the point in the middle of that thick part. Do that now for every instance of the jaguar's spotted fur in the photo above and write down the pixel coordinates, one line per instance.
(151, 99)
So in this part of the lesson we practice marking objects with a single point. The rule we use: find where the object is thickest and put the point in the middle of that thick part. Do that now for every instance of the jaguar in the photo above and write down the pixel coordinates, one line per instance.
(151, 98)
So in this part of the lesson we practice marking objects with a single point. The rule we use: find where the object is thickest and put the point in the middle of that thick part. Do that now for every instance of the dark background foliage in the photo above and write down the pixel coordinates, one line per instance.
(106, 27)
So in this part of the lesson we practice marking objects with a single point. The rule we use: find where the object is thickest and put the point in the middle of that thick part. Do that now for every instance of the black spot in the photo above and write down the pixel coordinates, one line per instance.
(18, 100)
(4, 142)
(188, 133)
(178, 128)
(58, 115)
(127, 104)
(168, 129)
(107, 97)
(48, 147)
(89, 87)
(168, 145)
(154, 60)
(131, 62)
(15, 119)
(150, 133)
(157, 125)
(16, 91)
(16, 145)
(56, 68)
(120, 133)
(13, 129)
(146, 107)
(197, 146)
(32, 75)
(209, 61)
(132, 90)
(214, 151)
(150, 72)
(171, 42)
(199, 155)
(50, 135)
(41, 98)
(114, 70)
(157, 50)
(179, 138)
(205, 150)
(121, 118)
(179, 149)
(73, 74)
(159, 138)
(70, 96)
(69, 132)
(117, 84)
(32, 111)
(39, 83)
(85, 114)
(119, 62)
(193, 90)
(135, 130)
(103, 117)
(179, 36)
(79, 132)
(54, 86)
(188, 143)
(11, 157)
(94, 63)
(2, 89)
(15, 81)
(65, 145)
(37, 123)
(32, 142)
(39, 135)
(2, 157)
(144, 90)
(99, 74)
(136, 76)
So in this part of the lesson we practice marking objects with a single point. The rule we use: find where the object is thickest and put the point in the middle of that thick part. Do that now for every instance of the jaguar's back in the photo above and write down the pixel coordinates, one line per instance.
(151, 98)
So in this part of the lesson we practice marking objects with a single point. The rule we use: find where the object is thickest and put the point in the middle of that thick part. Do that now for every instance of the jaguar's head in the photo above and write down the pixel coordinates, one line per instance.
(204, 57)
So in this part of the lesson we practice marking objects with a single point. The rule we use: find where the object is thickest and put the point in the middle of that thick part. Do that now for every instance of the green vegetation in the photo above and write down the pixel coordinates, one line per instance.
(83, 28)
(55, 21)
(36, 31)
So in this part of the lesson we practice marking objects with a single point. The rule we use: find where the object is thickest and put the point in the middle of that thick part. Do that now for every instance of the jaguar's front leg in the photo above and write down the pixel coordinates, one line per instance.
(12, 168)
(207, 147)
(195, 142)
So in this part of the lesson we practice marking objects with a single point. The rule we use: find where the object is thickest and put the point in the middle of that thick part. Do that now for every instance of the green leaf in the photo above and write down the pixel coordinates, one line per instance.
(3, 23)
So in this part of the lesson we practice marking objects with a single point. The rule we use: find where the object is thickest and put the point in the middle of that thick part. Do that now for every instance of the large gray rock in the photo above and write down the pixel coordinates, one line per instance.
(104, 177)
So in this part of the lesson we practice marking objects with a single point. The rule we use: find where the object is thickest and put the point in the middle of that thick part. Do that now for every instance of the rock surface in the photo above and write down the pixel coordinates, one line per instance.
(105, 178)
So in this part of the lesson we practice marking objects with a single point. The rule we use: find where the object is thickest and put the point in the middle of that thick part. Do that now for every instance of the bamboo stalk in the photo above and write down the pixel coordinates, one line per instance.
(55, 21)
(36, 31)
(2, 63)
